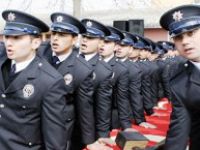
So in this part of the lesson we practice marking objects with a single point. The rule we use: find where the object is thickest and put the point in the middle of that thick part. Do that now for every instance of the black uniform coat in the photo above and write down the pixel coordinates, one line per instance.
(120, 101)
(32, 108)
(102, 95)
(78, 76)
(185, 120)
(154, 81)
(135, 91)
(146, 86)
(2, 50)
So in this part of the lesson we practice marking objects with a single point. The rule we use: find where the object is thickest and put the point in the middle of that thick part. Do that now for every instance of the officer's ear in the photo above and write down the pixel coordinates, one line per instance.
(36, 41)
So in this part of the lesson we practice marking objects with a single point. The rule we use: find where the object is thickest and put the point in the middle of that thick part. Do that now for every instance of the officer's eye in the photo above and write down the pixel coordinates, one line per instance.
(178, 38)
(190, 33)
(58, 33)
(53, 33)
(13, 37)
(107, 42)
(61, 34)
(16, 37)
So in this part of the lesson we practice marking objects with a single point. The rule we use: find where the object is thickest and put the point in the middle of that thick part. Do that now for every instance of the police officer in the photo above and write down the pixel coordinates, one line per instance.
(162, 63)
(32, 100)
(154, 71)
(146, 76)
(78, 76)
(183, 25)
(102, 74)
(136, 100)
(120, 81)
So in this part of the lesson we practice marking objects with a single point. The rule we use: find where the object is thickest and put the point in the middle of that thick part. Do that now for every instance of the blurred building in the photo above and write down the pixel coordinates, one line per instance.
(105, 11)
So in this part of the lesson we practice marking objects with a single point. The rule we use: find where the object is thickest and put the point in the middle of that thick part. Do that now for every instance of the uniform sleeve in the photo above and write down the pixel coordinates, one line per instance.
(179, 129)
(53, 117)
(122, 100)
(85, 104)
(146, 93)
(103, 106)
(136, 98)
(165, 80)
(154, 85)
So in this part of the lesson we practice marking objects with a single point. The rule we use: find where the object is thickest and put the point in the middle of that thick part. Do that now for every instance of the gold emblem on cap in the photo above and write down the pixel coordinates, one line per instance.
(177, 15)
(11, 16)
(89, 24)
(59, 19)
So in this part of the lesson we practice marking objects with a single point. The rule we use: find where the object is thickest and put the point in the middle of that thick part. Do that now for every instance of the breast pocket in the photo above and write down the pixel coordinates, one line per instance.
(23, 103)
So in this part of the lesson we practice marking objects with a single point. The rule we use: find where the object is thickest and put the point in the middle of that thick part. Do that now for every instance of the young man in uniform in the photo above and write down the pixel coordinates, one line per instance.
(183, 24)
(32, 92)
(124, 49)
(78, 75)
(103, 74)
(120, 81)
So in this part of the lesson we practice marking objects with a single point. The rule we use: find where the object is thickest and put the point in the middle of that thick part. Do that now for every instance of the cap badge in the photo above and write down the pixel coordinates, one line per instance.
(11, 16)
(89, 24)
(59, 19)
(177, 15)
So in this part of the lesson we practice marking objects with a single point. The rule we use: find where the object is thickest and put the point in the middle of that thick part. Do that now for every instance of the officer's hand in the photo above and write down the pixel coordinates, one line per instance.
(130, 130)
(98, 146)
(147, 125)
(106, 141)
(155, 114)
(159, 108)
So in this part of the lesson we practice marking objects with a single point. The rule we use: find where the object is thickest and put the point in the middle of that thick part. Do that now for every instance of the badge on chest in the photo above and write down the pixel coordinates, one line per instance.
(68, 78)
(28, 90)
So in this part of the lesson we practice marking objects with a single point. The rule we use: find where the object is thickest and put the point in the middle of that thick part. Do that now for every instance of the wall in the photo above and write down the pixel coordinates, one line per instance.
(156, 34)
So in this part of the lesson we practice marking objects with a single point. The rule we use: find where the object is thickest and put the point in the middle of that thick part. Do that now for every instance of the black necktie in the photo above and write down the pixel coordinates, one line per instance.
(82, 55)
(12, 70)
(55, 61)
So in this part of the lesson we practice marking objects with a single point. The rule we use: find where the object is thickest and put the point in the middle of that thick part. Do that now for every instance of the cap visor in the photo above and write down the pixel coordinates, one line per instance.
(12, 32)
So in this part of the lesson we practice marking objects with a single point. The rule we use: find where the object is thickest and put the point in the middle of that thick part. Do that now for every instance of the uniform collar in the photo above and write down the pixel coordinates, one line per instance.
(21, 65)
(64, 56)
(196, 64)
(109, 58)
(123, 59)
(89, 56)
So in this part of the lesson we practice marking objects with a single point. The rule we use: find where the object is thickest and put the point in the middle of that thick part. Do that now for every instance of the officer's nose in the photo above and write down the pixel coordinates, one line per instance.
(8, 41)
(186, 39)
(54, 36)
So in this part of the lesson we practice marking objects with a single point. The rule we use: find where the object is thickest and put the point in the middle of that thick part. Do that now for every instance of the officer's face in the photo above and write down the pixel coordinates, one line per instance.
(143, 54)
(170, 53)
(21, 48)
(123, 51)
(153, 57)
(89, 45)
(188, 45)
(61, 43)
(134, 53)
(106, 48)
